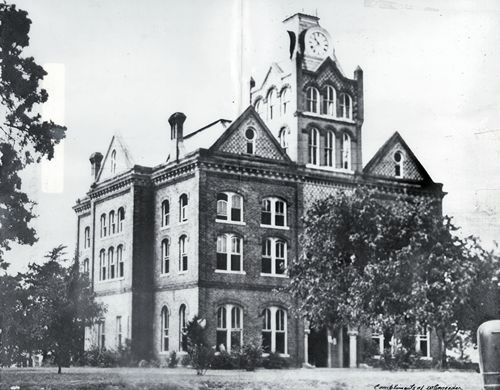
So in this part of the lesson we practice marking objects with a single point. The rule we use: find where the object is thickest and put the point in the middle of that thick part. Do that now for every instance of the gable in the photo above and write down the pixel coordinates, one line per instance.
(234, 140)
(384, 162)
(117, 160)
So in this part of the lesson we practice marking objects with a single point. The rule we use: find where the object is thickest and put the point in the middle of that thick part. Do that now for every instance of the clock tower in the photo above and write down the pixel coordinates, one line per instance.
(310, 105)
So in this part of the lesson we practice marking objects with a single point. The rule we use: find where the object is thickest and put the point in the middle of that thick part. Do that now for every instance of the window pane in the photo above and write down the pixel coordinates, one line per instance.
(266, 341)
(280, 342)
(221, 339)
(280, 220)
(235, 263)
(266, 218)
(221, 318)
(235, 318)
(235, 340)
(280, 266)
(266, 265)
(222, 261)
(221, 209)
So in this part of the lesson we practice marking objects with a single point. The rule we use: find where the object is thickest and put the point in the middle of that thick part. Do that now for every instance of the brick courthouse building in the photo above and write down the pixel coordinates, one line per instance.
(211, 230)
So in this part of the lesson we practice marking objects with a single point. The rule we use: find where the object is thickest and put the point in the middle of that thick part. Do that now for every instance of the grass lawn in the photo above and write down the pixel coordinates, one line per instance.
(183, 378)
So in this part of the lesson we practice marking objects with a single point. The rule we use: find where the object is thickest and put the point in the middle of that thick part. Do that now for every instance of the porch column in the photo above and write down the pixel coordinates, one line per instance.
(340, 347)
(306, 341)
(329, 344)
(353, 350)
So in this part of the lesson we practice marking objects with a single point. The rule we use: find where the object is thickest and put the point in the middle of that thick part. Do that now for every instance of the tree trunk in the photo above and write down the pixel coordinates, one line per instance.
(59, 368)
(444, 363)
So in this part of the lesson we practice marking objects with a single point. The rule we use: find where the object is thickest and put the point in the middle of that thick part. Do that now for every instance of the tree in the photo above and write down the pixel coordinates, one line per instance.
(25, 137)
(199, 352)
(389, 264)
(63, 304)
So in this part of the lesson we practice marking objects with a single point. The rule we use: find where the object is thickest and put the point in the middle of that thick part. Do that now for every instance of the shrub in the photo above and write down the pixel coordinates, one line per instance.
(185, 361)
(173, 360)
(143, 363)
(200, 353)
(251, 355)
(226, 361)
(275, 361)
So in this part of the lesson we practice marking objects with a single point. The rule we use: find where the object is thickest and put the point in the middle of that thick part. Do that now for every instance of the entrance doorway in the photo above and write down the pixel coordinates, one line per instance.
(318, 348)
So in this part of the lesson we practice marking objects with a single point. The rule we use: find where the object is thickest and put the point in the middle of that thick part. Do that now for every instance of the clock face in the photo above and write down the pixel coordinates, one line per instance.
(317, 43)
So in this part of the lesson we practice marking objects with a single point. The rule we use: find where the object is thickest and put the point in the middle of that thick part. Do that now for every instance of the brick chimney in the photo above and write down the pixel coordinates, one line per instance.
(95, 163)
(176, 121)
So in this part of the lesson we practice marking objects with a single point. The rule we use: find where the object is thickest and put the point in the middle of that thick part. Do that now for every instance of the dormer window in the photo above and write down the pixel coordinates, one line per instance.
(250, 136)
(285, 100)
(346, 151)
(113, 162)
(344, 106)
(329, 101)
(271, 103)
(312, 99)
(398, 164)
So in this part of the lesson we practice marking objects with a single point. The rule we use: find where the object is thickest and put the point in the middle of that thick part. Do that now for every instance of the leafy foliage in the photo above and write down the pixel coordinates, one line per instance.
(24, 136)
(200, 353)
(391, 263)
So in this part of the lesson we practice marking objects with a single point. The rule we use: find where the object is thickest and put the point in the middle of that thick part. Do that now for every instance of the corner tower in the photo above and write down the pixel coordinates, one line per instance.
(311, 107)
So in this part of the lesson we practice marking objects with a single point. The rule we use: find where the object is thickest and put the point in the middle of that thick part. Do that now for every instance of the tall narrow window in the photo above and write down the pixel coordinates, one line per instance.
(112, 223)
(283, 138)
(314, 147)
(273, 212)
(274, 256)
(102, 265)
(344, 106)
(183, 256)
(101, 335)
(398, 164)
(86, 265)
(329, 147)
(111, 263)
(346, 151)
(119, 260)
(121, 218)
(86, 237)
(250, 136)
(113, 162)
(312, 100)
(229, 328)
(165, 213)
(183, 204)
(259, 107)
(104, 230)
(165, 256)
(182, 328)
(422, 342)
(285, 100)
(118, 331)
(164, 329)
(229, 253)
(329, 101)
(274, 330)
(271, 104)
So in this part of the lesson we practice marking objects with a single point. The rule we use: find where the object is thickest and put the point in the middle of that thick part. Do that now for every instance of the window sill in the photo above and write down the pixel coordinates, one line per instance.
(330, 169)
(222, 271)
(182, 272)
(230, 222)
(285, 355)
(164, 274)
(275, 227)
(183, 222)
(165, 227)
(282, 276)
(324, 116)
(111, 280)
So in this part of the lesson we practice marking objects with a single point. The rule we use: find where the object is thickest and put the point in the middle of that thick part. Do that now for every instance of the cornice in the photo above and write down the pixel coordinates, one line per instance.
(119, 183)
(169, 173)
(82, 206)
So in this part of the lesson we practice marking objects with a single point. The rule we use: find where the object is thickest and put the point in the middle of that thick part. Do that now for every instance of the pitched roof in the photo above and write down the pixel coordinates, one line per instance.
(206, 136)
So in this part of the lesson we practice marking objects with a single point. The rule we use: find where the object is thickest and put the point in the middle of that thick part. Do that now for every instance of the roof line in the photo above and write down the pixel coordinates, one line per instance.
(207, 126)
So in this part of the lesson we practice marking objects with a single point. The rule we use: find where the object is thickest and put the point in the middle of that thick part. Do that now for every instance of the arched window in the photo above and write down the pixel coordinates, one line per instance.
(165, 213)
(274, 330)
(104, 230)
(111, 263)
(165, 256)
(86, 237)
(113, 162)
(329, 102)
(312, 99)
(164, 319)
(271, 104)
(121, 218)
(329, 148)
(118, 331)
(274, 256)
(229, 253)
(229, 207)
(285, 100)
(250, 137)
(112, 223)
(344, 106)
(259, 107)
(346, 151)
(182, 328)
(183, 203)
(229, 328)
(283, 138)
(183, 256)
(86, 265)
(398, 164)
(102, 265)
(119, 260)
(314, 146)
(273, 212)
(101, 335)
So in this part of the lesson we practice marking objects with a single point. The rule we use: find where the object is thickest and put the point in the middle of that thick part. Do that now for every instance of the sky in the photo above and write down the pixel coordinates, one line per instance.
(431, 72)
